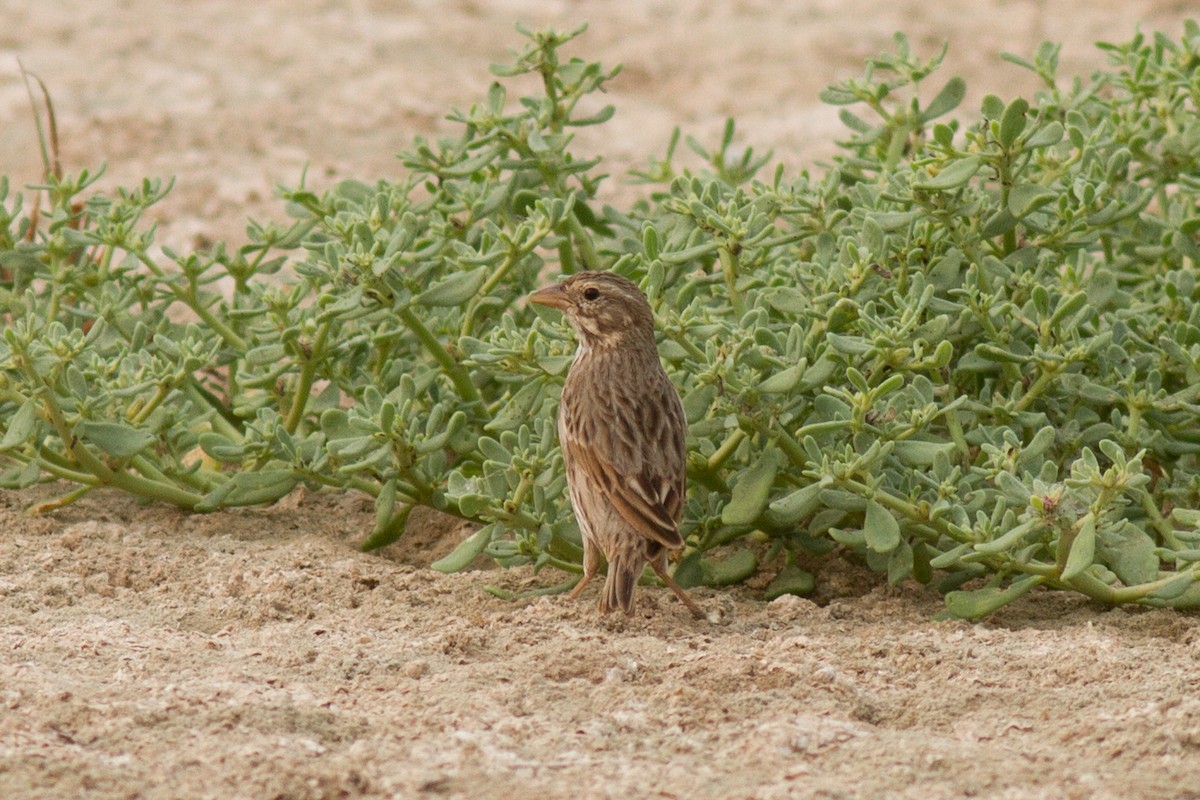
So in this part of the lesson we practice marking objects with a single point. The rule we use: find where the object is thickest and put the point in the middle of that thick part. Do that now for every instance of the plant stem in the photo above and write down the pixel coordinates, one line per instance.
(454, 370)
(566, 257)
(792, 449)
(61, 501)
(1161, 525)
(1043, 382)
(729, 266)
(582, 240)
(188, 297)
(217, 420)
(142, 414)
(954, 426)
(56, 466)
(1095, 588)
(301, 395)
(726, 449)
(468, 323)
(119, 477)
(679, 336)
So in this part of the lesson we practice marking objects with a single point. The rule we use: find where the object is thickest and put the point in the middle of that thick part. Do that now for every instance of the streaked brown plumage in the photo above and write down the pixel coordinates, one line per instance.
(622, 432)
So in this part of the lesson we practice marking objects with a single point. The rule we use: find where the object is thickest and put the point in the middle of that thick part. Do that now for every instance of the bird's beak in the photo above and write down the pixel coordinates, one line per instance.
(553, 296)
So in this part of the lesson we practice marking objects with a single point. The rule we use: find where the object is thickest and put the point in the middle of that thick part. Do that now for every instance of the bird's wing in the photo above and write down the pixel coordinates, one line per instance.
(633, 447)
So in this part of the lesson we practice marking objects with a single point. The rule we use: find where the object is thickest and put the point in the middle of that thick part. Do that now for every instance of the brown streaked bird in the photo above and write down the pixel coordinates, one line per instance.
(622, 431)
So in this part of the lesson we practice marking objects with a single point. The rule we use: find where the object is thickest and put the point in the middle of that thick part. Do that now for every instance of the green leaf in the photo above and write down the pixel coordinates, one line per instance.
(115, 438)
(1186, 516)
(752, 490)
(900, 563)
(791, 580)
(849, 345)
(979, 603)
(335, 424)
(785, 380)
(823, 370)
(1027, 198)
(1083, 549)
(697, 402)
(555, 365)
(76, 383)
(265, 355)
(842, 500)
(947, 99)
(467, 550)
(21, 426)
(689, 254)
(28, 475)
(1048, 134)
(257, 488)
(851, 121)
(694, 570)
(492, 450)
(872, 237)
(1174, 587)
(915, 453)
(993, 353)
(454, 290)
(943, 135)
(999, 224)
(1068, 306)
(650, 241)
(221, 447)
(950, 557)
(799, 504)
(787, 299)
(954, 176)
(518, 409)
(1013, 122)
(897, 220)
(389, 524)
(852, 538)
(385, 506)
(250, 489)
(922, 572)
(1010, 539)
(1129, 552)
(880, 528)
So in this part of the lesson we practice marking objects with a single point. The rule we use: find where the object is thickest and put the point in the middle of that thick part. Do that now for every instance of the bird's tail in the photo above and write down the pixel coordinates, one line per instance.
(623, 573)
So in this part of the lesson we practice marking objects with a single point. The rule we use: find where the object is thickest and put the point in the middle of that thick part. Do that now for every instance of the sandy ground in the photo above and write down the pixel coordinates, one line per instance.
(258, 654)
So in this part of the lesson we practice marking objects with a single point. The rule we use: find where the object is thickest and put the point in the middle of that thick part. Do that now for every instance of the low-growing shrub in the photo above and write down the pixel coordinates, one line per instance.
(968, 351)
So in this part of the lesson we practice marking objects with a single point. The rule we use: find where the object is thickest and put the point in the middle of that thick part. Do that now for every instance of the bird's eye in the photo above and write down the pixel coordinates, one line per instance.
(591, 293)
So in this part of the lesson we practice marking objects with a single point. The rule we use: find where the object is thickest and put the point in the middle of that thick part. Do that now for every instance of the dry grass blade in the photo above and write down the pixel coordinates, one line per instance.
(51, 164)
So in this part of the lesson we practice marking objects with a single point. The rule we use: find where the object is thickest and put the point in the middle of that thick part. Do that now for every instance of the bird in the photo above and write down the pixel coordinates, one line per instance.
(622, 433)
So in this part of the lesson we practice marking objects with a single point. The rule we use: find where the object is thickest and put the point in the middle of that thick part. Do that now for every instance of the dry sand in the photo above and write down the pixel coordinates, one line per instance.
(257, 654)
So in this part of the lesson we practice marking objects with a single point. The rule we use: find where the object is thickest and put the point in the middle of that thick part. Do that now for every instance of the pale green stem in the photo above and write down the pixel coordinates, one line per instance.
(308, 373)
(455, 371)
(726, 449)
(729, 267)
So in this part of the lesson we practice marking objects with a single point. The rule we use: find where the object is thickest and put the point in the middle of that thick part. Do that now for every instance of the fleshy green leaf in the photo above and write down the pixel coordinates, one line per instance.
(981, 602)
(454, 290)
(1083, 549)
(467, 550)
(21, 426)
(752, 490)
(880, 528)
(115, 438)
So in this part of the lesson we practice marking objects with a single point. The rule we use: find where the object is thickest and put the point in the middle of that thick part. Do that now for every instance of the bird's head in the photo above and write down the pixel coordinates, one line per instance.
(605, 309)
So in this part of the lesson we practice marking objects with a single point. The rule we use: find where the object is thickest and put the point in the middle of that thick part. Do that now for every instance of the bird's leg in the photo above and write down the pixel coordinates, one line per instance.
(571, 595)
(661, 571)
(591, 564)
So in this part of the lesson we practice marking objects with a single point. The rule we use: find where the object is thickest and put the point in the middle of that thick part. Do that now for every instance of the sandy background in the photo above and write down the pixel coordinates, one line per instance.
(258, 654)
